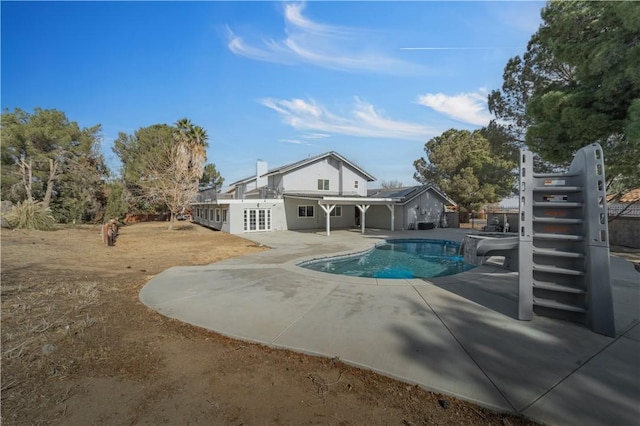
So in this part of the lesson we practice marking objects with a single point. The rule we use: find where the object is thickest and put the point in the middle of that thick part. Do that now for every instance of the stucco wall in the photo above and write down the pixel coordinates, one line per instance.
(318, 221)
(306, 179)
(204, 214)
(295, 222)
(235, 215)
(347, 219)
(379, 217)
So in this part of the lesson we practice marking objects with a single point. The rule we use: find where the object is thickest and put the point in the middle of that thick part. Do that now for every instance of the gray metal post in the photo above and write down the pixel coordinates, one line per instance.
(525, 232)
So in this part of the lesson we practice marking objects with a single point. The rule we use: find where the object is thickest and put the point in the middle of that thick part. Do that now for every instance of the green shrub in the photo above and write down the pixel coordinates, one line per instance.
(30, 214)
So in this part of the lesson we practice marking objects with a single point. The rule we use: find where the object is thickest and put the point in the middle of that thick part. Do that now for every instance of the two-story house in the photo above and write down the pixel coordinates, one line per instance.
(324, 191)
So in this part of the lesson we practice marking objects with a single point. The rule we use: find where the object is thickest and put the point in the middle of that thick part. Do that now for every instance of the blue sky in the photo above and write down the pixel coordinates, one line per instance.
(278, 81)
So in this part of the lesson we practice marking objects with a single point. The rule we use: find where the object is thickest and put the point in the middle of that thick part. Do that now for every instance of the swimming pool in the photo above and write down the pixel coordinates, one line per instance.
(415, 258)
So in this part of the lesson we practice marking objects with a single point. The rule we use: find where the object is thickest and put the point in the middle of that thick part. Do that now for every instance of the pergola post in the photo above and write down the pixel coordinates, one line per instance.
(391, 208)
(363, 208)
(328, 210)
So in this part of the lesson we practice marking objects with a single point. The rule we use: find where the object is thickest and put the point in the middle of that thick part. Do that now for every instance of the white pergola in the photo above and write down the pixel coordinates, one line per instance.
(329, 203)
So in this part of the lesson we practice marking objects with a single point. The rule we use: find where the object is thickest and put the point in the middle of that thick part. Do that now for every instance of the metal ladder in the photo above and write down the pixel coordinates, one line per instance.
(563, 243)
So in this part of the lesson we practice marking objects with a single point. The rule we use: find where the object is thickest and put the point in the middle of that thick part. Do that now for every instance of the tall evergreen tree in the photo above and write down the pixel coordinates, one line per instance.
(49, 159)
(578, 83)
(211, 177)
(465, 167)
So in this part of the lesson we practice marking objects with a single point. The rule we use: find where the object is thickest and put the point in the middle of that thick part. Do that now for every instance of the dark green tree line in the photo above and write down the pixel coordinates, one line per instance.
(47, 158)
(578, 83)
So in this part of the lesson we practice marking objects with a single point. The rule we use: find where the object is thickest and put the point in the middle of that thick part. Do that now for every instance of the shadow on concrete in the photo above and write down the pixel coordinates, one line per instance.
(523, 360)
(490, 286)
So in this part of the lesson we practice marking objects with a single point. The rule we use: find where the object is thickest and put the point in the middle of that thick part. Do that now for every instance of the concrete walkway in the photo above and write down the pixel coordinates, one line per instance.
(457, 335)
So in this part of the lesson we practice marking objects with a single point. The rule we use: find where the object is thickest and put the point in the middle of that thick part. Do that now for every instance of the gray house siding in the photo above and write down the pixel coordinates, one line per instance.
(426, 207)
(347, 218)
(379, 217)
(341, 179)
(294, 221)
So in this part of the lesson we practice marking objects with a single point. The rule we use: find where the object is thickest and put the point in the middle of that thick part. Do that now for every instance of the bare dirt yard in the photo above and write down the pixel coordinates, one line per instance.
(78, 348)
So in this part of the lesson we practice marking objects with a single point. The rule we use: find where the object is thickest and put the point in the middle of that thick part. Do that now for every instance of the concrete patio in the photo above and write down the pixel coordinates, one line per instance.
(458, 335)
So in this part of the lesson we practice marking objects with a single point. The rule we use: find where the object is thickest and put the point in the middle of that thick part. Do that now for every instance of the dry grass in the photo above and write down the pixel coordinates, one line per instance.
(79, 348)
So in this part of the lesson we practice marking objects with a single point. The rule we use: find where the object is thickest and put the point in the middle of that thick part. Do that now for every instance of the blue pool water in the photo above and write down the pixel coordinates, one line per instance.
(398, 259)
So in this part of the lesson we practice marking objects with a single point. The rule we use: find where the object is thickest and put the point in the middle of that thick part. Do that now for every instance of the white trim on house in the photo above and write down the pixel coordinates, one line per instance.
(238, 201)
(352, 201)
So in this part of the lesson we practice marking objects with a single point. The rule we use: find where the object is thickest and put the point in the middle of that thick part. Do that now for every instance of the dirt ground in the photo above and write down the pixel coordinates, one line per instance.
(78, 348)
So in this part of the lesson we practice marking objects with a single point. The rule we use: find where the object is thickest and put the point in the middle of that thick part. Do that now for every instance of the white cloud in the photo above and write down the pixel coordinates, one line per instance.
(364, 120)
(294, 141)
(293, 18)
(315, 136)
(305, 138)
(466, 107)
(239, 47)
(326, 46)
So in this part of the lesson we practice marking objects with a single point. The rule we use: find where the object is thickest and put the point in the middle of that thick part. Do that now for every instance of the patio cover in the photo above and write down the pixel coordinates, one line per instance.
(363, 203)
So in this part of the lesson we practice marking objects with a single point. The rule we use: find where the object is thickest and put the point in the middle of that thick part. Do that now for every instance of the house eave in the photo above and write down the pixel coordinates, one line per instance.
(357, 200)
(427, 188)
(294, 166)
(239, 201)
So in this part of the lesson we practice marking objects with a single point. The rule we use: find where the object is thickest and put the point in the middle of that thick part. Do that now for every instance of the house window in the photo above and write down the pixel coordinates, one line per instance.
(217, 215)
(224, 215)
(336, 212)
(210, 214)
(323, 184)
(198, 212)
(355, 184)
(305, 211)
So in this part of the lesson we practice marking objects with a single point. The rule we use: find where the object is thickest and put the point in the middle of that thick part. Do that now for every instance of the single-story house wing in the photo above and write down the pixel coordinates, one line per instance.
(415, 207)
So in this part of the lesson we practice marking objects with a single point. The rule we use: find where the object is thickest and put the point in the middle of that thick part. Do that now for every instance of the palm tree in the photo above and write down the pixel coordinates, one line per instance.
(191, 143)
(187, 166)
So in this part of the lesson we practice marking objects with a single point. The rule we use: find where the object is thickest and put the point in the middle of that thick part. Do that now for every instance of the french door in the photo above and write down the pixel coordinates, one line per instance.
(257, 220)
